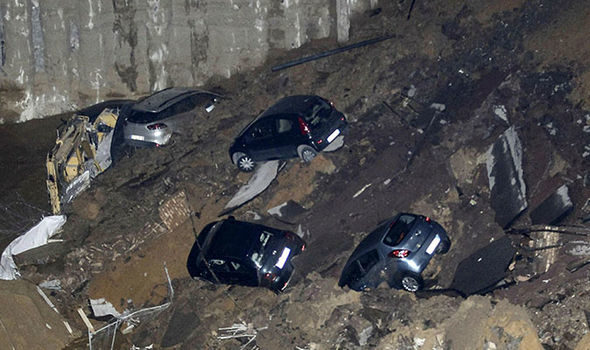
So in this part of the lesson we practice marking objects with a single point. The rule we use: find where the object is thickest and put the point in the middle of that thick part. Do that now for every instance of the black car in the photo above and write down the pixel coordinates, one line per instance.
(295, 126)
(396, 252)
(248, 254)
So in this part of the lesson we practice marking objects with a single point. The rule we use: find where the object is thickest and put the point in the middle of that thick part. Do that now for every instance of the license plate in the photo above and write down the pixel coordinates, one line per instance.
(283, 258)
(137, 137)
(333, 135)
(433, 245)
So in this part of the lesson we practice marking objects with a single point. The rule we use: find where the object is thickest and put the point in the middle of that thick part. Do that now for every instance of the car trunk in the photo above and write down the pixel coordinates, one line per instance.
(418, 236)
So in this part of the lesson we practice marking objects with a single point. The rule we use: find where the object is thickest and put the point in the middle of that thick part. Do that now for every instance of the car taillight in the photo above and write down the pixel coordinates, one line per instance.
(303, 127)
(270, 276)
(303, 247)
(427, 219)
(320, 141)
(399, 253)
(157, 126)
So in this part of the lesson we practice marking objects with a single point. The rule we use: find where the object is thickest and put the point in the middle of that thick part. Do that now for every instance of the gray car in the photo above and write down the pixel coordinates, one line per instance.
(396, 252)
(154, 119)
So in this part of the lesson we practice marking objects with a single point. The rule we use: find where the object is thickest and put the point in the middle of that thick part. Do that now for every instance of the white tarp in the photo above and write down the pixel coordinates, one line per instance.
(35, 237)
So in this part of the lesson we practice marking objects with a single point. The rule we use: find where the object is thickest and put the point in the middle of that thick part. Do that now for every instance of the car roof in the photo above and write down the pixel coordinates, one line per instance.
(233, 239)
(293, 104)
(164, 98)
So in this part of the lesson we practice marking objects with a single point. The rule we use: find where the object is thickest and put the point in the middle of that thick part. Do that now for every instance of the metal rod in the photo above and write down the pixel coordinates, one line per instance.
(329, 53)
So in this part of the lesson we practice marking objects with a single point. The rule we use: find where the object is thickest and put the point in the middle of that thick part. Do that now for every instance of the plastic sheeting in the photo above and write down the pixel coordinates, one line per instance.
(35, 237)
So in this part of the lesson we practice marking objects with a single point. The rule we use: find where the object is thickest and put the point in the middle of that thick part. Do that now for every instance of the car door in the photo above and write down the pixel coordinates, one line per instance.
(220, 269)
(258, 140)
(287, 136)
(242, 273)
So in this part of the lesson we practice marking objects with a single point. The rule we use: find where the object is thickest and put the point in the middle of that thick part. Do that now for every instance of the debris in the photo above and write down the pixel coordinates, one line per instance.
(101, 307)
(358, 193)
(554, 208)
(35, 237)
(438, 106)
(53, 284)
(330, 53)
(335, 145)
(287, 211)
(576, 265)
(505, 175)
(480, 271)
(500, 112)
(241, 330)
(262, 178)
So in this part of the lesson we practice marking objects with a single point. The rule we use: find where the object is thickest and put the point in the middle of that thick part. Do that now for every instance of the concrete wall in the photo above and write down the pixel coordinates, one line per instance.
(56, 55)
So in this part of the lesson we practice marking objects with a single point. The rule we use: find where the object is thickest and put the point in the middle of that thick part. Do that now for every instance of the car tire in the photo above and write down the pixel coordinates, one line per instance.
(412, 282)
(244, 162)
(443, 247)
(306, 153)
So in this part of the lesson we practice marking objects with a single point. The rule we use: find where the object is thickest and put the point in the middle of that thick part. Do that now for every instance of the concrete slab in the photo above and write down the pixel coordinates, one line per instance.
(484, 268)
(505, 176)
(287, 212)
(553, 209)
(263, 176)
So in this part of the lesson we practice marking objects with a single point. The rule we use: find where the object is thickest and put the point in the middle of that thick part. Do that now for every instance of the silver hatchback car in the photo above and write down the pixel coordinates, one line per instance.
(154, 119)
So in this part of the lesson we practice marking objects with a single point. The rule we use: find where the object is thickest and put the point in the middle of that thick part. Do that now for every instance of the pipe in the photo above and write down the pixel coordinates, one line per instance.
(329, 53)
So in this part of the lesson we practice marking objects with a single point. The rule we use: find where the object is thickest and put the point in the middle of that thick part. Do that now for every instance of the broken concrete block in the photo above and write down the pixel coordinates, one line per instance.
(505, 176)
(483, 269)
(287, 212)
(263, 176)
(553, 209)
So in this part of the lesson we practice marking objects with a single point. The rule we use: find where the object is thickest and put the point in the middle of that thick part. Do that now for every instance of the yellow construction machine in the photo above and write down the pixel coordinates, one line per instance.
(81, 151)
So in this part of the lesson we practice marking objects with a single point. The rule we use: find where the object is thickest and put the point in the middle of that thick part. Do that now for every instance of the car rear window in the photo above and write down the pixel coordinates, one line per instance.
(399, 229)
(142, 117)
(317, 114)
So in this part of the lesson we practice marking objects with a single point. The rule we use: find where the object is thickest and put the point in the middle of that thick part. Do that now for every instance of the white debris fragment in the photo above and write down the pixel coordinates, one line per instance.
(387, 182)
(255, 215)
(438, 106)
(364, 335)
(261, 179)
(277, 210)
(580, 250)
(35, 237)
(412, 91)
(101, 307)
(358, 193)
(500, 112)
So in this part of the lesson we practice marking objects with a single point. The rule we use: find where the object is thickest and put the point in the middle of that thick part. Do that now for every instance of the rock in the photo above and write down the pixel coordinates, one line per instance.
(505, 175)
(554, 208)
(28, 322)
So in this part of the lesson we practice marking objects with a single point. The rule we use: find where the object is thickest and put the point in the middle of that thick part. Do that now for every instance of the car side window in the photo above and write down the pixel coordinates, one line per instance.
(369, 260)
(284, 126)
(261, 130)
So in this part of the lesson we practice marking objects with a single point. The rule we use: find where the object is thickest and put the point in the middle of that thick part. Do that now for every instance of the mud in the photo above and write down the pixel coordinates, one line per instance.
(490, 65)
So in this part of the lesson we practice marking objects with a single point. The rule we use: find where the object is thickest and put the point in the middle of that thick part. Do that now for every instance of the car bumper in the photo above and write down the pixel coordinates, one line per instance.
(139, 135)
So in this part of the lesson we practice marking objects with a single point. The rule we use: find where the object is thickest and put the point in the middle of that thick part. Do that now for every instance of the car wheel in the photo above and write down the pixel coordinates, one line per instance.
(307, 154)
(412, 283)
(443, 247)
(246, 163)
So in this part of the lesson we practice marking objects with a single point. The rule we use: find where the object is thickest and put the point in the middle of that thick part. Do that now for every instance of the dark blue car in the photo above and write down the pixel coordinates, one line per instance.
(295, 126)
(243, 253)
(395, 252)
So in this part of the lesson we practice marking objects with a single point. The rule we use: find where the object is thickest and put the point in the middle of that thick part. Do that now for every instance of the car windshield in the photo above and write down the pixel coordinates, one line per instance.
(317, 113)
(399, 229)
(258, 255)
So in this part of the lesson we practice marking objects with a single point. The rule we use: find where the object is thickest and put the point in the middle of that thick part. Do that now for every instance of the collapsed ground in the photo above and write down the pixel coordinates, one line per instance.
(409, 154)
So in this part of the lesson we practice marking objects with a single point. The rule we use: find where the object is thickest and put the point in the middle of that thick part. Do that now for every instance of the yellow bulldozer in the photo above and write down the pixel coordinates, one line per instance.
(81, 152)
